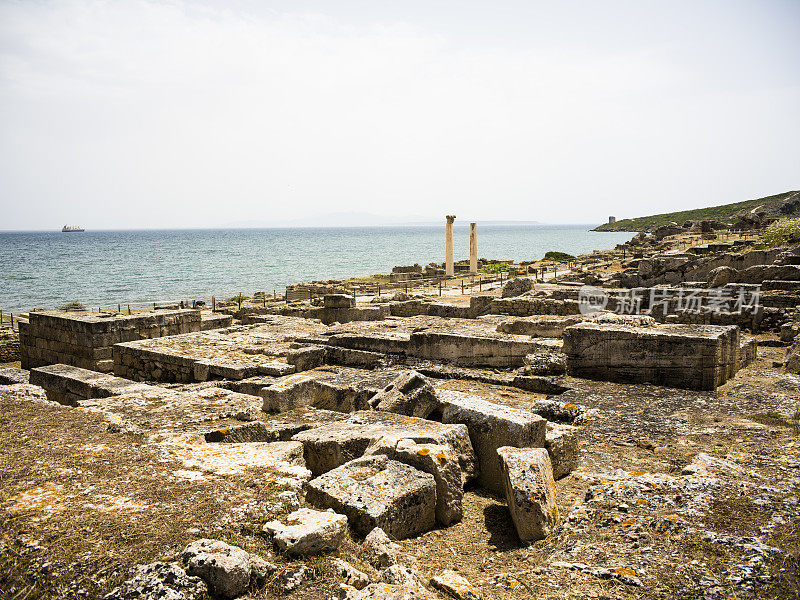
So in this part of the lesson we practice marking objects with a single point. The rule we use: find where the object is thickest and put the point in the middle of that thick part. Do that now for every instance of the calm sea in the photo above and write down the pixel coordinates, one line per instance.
(105, 268)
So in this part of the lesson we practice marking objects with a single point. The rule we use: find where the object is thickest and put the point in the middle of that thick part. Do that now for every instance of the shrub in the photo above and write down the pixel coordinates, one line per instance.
(780, 233)
(73, 306)
(496, 267)
(559, 256)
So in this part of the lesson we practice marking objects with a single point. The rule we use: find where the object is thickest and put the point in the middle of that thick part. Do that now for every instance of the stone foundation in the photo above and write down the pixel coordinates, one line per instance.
(9, 346)
(85, 341)
(693, 357)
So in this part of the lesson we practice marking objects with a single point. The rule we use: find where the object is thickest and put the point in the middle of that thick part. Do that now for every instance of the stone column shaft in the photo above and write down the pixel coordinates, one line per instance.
(449, 269)
(473, 248)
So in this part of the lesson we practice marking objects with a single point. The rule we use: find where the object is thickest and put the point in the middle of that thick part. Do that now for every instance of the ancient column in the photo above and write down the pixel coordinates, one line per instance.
(449, 270)
(473, 248)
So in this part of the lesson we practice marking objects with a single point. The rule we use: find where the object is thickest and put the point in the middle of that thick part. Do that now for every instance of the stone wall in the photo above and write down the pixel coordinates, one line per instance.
(683, 356)
(471, 350)
(9, 346)
(85, 341)
(528, 306)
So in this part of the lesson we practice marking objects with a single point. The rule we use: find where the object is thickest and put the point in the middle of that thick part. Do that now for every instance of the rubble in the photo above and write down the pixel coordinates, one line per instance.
(305, 532)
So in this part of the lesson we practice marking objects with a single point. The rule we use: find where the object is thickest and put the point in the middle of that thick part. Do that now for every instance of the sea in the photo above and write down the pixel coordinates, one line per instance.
(101, 269)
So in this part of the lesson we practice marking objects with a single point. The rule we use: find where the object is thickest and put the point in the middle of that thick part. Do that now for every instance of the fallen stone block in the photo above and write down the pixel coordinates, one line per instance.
(384, 591)
(403, 576)
(374, 492)
(516, 287)
(440, 462)
(372, 432)
(410, 394)
(455, 585)
(381, 551)
(12, 376)
(352, 576)
(490, 427)
(226, 569)
(530, 491)
(158, 581)
(70, 385)
(305, 532)
(561, 442)
(545, 363)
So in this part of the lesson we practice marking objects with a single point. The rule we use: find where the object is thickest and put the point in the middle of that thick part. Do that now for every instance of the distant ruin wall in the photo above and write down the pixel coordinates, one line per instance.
(86, 341)
(9, 346)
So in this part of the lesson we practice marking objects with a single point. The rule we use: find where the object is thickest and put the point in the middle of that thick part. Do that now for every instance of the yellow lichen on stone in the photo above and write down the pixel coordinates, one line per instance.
(423, 451)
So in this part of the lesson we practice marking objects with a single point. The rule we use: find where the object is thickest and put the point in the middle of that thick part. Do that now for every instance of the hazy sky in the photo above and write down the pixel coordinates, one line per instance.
(165, 114)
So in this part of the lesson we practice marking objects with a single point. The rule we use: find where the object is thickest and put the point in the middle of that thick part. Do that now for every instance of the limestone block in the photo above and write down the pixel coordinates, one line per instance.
(455, 585)
(275, 369)
(384, 591)
(338, 301)
(530, 491)
(377, 492)
(287, 393)
(440, 462)
(401, 575)
(490, 427)
(370, 432)
(12, 375)
(410, 394)
(305, 532)
(160, 580)
(350, 574)
(516, 287)
(561, 442)
(307, 357)
(381, 550)
(225, 568)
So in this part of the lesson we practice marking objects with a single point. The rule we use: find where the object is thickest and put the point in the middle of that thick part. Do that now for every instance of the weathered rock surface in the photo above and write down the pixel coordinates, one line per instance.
(401, 575)
(561, 442)
(410, 394)
(530, 491)
(160, 581)
(381, 550)
(441, 462)
(350, 574)
(226, 569)
(384, 591)
(305, 532)
(455, 585)
(516, 287)
(490, 427)
(13, 376)
(372, 432)
(374, 491)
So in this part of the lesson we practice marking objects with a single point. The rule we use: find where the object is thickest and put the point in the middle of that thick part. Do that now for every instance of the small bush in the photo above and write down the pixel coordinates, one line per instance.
(559, 256)
(780, 233)
(73, 306)
(496, 268)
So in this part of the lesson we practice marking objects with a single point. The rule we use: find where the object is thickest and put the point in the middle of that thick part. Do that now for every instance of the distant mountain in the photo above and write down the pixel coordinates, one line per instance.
(363, 219)
(722, 213)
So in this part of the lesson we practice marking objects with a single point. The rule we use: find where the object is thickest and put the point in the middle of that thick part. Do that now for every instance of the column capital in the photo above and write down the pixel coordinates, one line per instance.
(450, 219)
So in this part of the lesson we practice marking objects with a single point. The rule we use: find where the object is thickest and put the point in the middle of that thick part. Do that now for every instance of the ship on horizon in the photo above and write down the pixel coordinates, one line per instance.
(71, 228)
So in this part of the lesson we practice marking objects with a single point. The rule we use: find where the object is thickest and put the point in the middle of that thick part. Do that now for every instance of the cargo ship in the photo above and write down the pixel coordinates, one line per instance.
(70, 228)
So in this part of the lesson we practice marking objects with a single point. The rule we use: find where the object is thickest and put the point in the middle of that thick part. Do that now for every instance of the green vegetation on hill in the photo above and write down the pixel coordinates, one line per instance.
(559, 256)
(719, 213)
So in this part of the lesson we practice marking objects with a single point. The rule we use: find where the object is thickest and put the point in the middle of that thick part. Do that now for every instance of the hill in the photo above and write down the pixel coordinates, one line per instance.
(722, 213)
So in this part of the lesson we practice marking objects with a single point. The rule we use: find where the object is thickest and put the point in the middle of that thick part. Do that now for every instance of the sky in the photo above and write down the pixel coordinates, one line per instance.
(144, 114)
